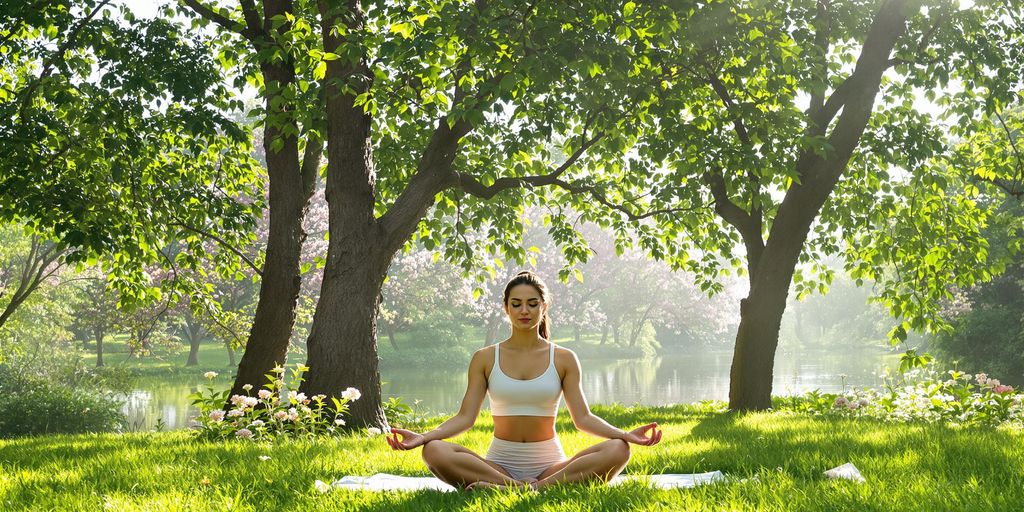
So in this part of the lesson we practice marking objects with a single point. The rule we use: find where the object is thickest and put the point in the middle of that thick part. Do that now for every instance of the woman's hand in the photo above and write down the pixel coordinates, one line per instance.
(409, 439)
(637, 436)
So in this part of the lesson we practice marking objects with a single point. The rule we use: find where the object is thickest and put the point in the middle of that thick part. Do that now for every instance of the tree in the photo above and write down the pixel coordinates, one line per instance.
(424, 105)
(115, 142)
(40, 260)
(783, 129)
(96, 312)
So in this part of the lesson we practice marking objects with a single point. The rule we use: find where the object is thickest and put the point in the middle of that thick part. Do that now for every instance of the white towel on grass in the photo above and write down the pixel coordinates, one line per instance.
(386, 482)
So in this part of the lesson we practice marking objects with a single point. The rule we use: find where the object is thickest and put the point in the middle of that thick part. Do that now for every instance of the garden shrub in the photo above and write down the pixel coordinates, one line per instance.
(32, 405)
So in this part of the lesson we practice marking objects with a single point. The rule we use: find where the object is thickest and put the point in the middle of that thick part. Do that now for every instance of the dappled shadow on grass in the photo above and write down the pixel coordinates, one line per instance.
(806, 446)
(589, 496)
(926, 465)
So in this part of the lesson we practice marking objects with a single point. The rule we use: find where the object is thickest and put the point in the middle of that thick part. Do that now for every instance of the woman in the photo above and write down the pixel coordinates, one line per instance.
(525, 376)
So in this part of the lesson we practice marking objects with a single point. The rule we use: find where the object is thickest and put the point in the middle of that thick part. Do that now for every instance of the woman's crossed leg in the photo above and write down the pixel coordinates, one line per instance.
(459, 466)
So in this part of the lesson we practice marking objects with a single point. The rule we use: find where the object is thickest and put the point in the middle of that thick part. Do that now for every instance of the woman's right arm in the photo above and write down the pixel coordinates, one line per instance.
(476, 389)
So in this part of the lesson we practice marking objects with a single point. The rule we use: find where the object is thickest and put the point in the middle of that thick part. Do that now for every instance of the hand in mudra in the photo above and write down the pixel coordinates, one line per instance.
(409, 439)
(637, 436)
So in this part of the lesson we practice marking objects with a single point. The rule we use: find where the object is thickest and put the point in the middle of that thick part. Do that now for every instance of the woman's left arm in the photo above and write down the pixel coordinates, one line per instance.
(589, 422)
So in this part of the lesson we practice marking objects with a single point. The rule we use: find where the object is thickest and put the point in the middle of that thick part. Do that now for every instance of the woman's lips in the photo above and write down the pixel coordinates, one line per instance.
(524, 320)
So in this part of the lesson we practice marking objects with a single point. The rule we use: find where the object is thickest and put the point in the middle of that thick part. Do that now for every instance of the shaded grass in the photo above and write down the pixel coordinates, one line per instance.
(781, 456)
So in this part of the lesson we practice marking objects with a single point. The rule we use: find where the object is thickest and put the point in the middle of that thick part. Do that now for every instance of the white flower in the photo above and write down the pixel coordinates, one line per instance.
(234, 413)
(237, 399)
(217, 415)
(257, 424)
(278, 369)
(264, 394)
(194, 425)
(280, 415)
(351, 394)
(319, 398)
(339, 422)
(210, 375)
(250, 401)
(247, 387)
(244, 433)
(373, 431)
(264, 457)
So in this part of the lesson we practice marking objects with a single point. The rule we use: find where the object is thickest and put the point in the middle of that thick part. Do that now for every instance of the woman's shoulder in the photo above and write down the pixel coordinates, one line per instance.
(564, 353)
(482, 354)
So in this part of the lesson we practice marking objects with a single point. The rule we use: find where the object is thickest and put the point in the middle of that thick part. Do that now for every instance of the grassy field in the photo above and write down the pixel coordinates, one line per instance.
(907, 467)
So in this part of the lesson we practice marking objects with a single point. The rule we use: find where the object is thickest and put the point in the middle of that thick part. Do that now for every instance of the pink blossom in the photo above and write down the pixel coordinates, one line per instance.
(265, 394)
(217, 415)
(1003, 388)
(244, 433)
(841, 401)
(280, 415)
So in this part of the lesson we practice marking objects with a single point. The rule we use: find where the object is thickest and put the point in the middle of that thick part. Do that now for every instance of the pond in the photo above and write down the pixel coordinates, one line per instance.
(657, 381)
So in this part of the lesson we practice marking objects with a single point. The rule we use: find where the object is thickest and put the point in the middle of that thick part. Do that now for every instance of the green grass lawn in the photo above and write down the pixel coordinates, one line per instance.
(907, 467)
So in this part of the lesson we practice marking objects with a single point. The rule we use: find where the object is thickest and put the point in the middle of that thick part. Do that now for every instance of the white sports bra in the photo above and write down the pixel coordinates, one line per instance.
(514, 397)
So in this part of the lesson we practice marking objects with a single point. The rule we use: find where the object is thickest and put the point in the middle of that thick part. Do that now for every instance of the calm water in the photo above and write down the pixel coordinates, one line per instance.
(659, 381)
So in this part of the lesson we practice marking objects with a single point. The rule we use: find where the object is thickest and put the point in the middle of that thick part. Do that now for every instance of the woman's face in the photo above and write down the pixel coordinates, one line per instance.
(524, 307)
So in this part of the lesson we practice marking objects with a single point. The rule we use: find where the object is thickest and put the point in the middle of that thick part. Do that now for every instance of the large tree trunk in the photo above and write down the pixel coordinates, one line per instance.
(753, 363)
(342, 343)
(771, 265)
(291, 185)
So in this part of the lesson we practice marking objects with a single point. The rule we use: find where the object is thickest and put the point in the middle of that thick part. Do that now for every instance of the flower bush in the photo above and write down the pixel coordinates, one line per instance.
(921, 394)
(274, 412)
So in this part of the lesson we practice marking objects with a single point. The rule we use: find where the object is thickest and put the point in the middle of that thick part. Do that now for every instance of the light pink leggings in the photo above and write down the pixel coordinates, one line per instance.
(525, 460)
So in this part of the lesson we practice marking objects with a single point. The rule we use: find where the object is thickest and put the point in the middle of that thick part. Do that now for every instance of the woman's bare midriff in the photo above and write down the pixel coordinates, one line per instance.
(524, 429)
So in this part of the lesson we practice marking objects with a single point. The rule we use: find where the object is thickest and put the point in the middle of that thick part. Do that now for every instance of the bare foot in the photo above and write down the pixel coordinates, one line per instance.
(484, 485)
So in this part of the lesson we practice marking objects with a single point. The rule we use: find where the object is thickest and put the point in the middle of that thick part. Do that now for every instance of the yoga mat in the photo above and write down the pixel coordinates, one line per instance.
(388, 482)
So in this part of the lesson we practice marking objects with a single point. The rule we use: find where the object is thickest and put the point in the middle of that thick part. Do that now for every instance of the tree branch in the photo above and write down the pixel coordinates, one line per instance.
(248, 30)
(222, 242)
(723, 93)
(471, 186)
(823, 28)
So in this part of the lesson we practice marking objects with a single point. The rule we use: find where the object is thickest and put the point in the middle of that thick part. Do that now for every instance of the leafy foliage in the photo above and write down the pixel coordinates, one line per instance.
(115, 141)
(36, 405)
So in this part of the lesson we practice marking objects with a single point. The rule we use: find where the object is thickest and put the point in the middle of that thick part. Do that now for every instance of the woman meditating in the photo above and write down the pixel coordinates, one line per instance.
(525, 376)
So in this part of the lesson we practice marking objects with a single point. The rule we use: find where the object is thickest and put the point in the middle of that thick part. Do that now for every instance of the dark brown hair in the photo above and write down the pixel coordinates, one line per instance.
(527, 277)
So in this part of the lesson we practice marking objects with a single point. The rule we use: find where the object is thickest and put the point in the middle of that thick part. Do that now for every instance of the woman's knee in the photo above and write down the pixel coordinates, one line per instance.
(433, 450)
(619, 449)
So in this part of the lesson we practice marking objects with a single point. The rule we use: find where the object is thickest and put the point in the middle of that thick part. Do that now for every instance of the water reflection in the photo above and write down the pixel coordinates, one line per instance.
(663, 380)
